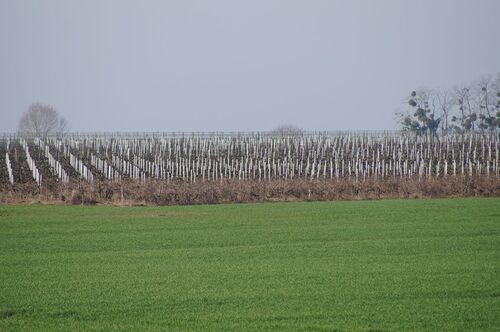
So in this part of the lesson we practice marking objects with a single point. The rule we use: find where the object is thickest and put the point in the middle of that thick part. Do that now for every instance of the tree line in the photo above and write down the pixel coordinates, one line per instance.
(473, 107)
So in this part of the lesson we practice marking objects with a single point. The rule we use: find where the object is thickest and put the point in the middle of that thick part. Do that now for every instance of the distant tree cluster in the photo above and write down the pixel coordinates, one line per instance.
(472, 107)
(287, 130)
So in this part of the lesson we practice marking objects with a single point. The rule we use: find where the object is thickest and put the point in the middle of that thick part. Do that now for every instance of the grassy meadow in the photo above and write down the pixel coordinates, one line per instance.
(323, 266)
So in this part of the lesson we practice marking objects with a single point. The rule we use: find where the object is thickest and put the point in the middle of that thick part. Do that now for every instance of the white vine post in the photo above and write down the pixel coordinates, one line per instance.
(55, 165)
(9, 167)
(31, 163)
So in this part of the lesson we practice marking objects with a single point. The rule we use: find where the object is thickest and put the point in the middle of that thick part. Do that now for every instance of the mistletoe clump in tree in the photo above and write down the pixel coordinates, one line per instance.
(423, 119)
(473, 107)
(489, 119)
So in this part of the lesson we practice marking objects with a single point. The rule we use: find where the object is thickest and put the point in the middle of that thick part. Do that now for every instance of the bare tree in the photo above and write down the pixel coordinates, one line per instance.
(487, 103)
(465, 118)
(41, 120)
(445, 103)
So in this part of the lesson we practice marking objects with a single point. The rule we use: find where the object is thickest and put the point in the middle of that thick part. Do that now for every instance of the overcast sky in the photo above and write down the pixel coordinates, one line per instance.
(237, 65)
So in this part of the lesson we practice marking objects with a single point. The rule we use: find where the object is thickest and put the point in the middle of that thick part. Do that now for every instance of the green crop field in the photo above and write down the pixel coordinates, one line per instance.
(359, 265)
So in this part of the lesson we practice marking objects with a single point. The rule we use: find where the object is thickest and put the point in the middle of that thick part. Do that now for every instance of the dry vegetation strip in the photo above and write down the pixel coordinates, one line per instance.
(157, 192)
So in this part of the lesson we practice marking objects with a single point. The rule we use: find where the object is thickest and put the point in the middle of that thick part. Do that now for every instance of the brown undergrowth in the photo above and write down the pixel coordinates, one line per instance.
(155, 192)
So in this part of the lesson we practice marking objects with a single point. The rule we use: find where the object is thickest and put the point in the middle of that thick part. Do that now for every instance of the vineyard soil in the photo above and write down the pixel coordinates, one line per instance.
(352, 265)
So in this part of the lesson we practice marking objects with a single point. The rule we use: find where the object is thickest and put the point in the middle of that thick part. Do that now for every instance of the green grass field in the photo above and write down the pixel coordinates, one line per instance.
(366, 265)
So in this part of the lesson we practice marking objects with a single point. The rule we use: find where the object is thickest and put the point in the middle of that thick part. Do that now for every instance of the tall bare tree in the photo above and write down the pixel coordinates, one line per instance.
(445, 101)
(487, 103)
(41, 120)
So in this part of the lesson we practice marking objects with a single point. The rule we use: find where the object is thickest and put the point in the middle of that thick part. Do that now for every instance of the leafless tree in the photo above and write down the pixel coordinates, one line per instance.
(41, 120)
(486, 103)
(466, 113)
(445, 101)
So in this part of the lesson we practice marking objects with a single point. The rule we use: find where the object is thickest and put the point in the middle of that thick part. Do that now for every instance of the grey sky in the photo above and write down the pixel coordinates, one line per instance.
(237, 65)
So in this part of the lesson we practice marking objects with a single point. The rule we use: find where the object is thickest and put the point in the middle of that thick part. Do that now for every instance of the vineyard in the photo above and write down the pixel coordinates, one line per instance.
(242, 159)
